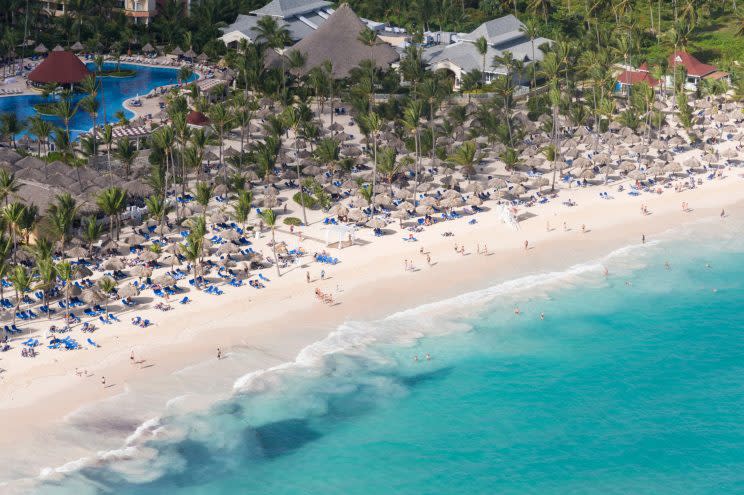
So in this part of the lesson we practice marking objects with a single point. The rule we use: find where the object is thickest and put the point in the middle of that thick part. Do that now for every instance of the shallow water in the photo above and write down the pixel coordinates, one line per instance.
(631, 384)
(114, 92)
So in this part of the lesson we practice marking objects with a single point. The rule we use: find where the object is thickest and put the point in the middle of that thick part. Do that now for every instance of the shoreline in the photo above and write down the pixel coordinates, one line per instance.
(274, 337)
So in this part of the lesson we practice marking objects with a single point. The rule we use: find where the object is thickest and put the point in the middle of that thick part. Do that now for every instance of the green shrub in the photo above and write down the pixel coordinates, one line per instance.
(310, 202)
(292, 221)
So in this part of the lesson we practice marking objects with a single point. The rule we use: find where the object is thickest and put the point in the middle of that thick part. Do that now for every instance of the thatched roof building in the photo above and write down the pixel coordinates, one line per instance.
(337, 40)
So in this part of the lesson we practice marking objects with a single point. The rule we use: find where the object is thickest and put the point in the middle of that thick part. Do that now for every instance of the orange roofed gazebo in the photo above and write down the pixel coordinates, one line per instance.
(61, 68)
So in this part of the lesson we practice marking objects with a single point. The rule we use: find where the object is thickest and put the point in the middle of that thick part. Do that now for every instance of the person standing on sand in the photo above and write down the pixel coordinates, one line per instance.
(723, 213)
(643, 238)
(219, 353)
(428, 259)
(526, 245)
(307, 277)
(131, 358)
(103, 381)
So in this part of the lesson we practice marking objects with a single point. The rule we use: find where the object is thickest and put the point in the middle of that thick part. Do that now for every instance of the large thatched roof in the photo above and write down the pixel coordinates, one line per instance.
(337, 40)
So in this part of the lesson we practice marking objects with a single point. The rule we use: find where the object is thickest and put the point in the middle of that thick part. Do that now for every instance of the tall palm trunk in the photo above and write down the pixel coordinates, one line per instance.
(273, 248)
(302, 193)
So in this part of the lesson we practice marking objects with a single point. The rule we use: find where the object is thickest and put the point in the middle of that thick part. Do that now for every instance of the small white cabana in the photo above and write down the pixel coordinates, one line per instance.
(339, 234)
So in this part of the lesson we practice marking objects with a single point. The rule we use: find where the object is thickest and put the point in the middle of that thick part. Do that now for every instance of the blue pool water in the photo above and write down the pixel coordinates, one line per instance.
(621, 389)
(112, 96)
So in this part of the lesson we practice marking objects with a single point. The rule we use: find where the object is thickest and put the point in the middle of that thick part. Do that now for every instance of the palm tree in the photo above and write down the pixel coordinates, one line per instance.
(90, 86)
(126, 152)
(433, 91)
(40, 128)
(374, 125)
(107, 285)
(29, 219)
(274, 36)
(107, 137)
(412, 123)
(242, 207)
(112, 201)
(61, 215)
(481, 44)
(466, 156)
(13, 217)
(203, 192)
(551, 155)
(388, 166)
(47, 272)
(270, 218)
(531, 29)
(91, 231)
(296, 61)
(66, 110)
(9, 185)
(221, 120)
(295, 121)
(66, 272)
(192, 251)
(10, 125)
(327, 153)
(164, 138)
(158, 209)
(21, 278)
(327, 68)
(98, 62)
(317, 78)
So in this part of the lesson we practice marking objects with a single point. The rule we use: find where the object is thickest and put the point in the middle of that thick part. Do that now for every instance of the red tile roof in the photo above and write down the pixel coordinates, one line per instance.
(631, 77)
(196, 118)
(693, 66)
(61, 68)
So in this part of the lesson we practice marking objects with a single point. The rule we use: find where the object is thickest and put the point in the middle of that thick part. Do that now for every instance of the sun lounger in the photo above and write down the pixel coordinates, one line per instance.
(90, 341)
(185, 300)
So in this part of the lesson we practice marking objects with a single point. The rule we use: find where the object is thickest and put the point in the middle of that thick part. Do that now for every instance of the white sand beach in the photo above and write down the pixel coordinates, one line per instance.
(370, 281)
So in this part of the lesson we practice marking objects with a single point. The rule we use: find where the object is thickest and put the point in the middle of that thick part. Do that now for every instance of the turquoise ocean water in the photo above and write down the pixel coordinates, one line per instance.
(631, 384)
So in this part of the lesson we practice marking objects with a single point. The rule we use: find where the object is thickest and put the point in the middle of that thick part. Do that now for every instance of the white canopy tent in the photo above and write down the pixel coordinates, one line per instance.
(339, 233)
(507, 216)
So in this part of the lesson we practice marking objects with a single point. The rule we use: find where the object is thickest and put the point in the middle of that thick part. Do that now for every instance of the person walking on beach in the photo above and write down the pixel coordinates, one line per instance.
(219, 353)
(526, 245)
(643, 238)
(307, 277)
(723, 213)
(322, 274)
(131, 358)
(428, 259)
(103, 381)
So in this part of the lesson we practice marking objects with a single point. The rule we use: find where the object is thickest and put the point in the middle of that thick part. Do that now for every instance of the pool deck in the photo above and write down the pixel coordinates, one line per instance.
(150, 106)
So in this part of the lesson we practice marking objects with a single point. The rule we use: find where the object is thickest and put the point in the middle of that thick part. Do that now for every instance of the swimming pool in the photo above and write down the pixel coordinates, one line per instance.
(113, 94)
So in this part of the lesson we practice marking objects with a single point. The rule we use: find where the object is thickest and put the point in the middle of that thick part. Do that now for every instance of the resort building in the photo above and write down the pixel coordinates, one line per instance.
(337, 41)
(695, 69)
(140, 11)
(59, 67)
(300, 17)
(458, 54)
(630, 77)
